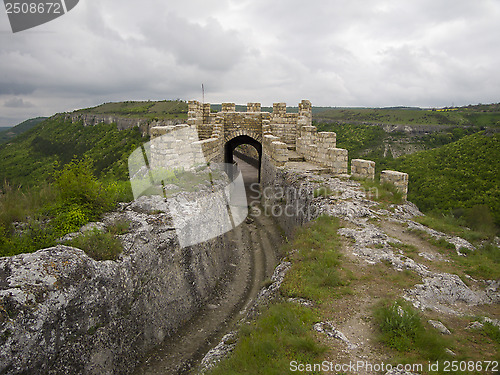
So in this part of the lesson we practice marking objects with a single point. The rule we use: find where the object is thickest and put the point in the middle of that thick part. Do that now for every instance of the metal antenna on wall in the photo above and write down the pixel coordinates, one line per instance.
(203, 93)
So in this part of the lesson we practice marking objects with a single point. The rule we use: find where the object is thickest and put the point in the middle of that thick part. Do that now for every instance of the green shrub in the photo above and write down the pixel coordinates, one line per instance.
(401, 328)
(37, 235)
(78, 186)
(98, 245)
(281, 334)
(460, 175)
(71, 219)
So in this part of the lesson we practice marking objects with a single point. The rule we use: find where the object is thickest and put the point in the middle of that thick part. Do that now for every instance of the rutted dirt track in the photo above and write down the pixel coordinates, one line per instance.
(255, 244)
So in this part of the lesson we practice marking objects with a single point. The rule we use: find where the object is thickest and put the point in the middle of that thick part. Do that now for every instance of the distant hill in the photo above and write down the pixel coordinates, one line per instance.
(458, 175)
(486, 115)
(159, 110)
(30, 158)
(8, 134)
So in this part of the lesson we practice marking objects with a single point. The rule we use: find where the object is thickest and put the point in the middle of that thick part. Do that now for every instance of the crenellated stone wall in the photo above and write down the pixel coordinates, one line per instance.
(321, 148)
(275, 150)
(284, 137)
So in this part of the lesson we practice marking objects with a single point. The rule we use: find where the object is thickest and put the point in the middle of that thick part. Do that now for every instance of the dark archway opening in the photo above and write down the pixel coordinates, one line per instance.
(231, 145)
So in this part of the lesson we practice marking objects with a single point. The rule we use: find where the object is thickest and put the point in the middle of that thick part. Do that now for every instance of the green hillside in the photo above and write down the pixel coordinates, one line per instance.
(10, 133)
(479, 115)
(456, 176)
(31, 157)
(159, 110)
(58, 176)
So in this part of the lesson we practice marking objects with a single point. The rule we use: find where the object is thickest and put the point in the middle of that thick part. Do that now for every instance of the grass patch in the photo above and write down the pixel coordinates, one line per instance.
(483, 263)
(405, 247)
(461, 226)
(386, 194)
(98, 245)
(281, 334)
(316, 272)
(492, 331)
(401, 328)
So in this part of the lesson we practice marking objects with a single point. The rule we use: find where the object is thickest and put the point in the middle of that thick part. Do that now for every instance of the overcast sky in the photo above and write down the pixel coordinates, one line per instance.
(428, 53)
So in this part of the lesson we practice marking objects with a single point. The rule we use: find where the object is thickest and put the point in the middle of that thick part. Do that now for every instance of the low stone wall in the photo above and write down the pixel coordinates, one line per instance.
(62, 312)
(176, 146)
(321, 148)
(363, 169)
(286, 196)
(399, 179)
(275, 150)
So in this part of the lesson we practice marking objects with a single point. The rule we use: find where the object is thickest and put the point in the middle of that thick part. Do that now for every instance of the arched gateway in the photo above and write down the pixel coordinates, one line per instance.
(280, 137)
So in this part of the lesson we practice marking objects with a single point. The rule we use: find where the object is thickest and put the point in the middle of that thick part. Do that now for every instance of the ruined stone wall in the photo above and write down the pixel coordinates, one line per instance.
(279, 123)
(398, 179)
(321, 148)
(283, 124)
(286, 197)
(363, 169)
(176, 146)
(275, 151)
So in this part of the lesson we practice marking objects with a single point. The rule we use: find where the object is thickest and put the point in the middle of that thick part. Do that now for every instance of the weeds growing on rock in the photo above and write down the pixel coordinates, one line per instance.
(401, 328)
(33, 218)
(98, 245)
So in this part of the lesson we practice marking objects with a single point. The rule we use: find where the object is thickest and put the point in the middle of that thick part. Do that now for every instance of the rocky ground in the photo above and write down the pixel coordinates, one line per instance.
(388, 259)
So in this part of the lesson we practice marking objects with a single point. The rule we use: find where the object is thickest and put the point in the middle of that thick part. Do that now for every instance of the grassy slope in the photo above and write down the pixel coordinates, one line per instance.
(10, 133)
(147, 110)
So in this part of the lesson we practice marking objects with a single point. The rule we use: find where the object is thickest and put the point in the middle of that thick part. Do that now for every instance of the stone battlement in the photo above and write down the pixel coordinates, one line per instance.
(281, 136)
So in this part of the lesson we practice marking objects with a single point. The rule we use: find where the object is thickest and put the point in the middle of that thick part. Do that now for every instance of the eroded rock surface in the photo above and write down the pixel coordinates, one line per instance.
(62, 312)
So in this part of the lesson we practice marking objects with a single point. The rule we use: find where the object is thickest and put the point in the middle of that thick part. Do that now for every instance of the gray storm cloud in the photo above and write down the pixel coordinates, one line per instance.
(339, 53)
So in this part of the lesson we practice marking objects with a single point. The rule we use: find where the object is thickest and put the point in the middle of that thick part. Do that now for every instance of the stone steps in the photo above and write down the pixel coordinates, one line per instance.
(294, 156)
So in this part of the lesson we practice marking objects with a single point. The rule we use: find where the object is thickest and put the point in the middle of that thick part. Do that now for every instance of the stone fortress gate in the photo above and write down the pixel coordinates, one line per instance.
(281, 139)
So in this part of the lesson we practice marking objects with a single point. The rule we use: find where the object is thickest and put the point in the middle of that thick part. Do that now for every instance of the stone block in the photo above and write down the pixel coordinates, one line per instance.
(398, 179)
(279, 109)
(361, 168)
(228, 107)
(253, 107)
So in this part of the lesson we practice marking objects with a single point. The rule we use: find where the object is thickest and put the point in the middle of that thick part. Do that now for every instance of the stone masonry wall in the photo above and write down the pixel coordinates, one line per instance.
(275, 150)
(175, 146)
(363, 169)
(399, 179)
(321, 148)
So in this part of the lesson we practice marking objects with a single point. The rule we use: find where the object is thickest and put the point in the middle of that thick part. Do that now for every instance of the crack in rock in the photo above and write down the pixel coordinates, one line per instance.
(329, 329)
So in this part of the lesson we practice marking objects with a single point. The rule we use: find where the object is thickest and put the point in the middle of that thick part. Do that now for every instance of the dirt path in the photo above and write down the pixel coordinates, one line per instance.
(255, 244)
